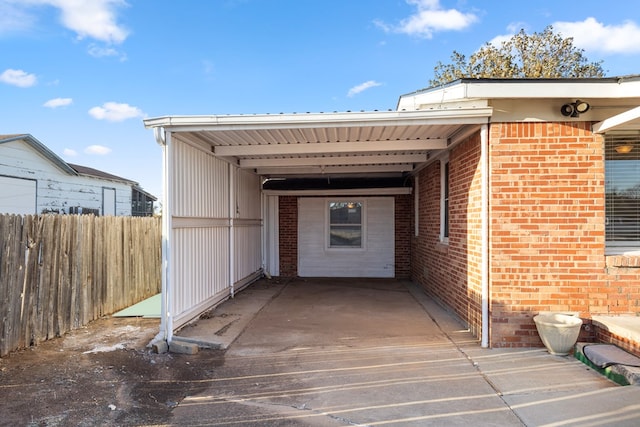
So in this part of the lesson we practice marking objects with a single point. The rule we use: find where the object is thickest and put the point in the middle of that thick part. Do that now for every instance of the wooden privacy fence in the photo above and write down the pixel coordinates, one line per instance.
(59, 272)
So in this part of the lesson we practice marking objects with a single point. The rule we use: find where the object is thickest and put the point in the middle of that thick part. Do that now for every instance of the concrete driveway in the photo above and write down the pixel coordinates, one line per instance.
(341, 352)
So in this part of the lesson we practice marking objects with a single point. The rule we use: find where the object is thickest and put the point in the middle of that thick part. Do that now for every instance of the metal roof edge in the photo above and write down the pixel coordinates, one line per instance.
(603, 87)
(43, 150)
(369, 118)
(467, 80)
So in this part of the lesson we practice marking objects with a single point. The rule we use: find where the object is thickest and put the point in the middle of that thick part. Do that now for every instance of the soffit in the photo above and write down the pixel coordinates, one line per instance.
(628, 120)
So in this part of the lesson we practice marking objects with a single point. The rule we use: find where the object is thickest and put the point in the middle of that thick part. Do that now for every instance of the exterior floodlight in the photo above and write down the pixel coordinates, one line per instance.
(581, 107)
(574, 109)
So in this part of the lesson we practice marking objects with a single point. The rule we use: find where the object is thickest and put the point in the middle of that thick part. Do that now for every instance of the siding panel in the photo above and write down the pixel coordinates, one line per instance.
(206, 214)
(375, 260)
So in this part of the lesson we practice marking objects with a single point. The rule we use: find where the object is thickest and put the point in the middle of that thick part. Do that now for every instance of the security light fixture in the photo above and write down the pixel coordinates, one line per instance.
(574, 109)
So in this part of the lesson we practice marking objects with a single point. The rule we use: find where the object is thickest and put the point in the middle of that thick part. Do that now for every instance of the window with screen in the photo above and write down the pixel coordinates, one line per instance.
(345, 224)
(622, 190)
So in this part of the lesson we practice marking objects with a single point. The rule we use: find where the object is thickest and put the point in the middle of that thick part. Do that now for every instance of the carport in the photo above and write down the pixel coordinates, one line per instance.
(223, 177)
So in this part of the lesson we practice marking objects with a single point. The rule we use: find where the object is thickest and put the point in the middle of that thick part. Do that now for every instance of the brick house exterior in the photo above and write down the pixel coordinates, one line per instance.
(510, 197)
(547, 232)
(547, 250)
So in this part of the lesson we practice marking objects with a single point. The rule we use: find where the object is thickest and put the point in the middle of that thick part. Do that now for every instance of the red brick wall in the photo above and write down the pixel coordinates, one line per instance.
(451, 272)
(288, 239)
(288, 223)
(403, 230)
(547, 230)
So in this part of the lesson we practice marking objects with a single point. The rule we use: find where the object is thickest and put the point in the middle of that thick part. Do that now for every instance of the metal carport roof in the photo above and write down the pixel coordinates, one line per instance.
(336, 144)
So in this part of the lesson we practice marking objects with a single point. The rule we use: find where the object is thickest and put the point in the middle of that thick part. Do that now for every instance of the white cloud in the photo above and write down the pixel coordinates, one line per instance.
(58, 102)
(429, 18)
(592, 35)
(498, 40)
(18, 78)
(100, 150)
(69, 152)
(115, 112)
(13, 18)
(96, 19)
(362, 87)
(101, 52)
(88, 19)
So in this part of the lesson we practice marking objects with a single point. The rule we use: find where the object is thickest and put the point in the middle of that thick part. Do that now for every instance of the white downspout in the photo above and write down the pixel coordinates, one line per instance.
(166, 321)
(484, 164)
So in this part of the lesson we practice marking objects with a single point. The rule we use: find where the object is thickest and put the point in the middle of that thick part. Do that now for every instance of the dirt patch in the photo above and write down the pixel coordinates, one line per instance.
(102, 374)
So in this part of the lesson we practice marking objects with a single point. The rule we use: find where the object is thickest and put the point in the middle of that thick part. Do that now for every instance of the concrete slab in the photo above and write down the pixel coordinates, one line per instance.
(219, 328)
(328, 352)
(611, 361)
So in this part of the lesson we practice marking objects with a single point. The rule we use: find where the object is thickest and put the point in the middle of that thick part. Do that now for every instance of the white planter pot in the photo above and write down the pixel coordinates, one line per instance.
(559, 332)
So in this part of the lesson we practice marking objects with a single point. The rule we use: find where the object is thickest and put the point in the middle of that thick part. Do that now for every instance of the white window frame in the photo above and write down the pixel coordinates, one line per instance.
(363, 222)
(612, 247)
(445, 205)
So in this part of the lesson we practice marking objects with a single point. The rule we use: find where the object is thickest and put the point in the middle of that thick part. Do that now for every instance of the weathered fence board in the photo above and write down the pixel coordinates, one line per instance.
(59, 272)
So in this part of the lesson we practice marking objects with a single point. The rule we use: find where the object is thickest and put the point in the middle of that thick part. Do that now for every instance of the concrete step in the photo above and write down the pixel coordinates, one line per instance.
(610, 360)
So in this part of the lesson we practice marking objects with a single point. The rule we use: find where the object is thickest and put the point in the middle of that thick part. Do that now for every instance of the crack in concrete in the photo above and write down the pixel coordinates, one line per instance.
(304, 408)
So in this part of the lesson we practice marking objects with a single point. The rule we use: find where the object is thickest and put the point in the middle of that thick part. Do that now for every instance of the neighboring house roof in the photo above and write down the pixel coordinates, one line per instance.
(95, 173)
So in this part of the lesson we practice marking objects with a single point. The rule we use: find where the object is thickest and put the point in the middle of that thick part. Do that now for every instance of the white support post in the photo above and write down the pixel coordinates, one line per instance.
(484, 160)
(232, 215)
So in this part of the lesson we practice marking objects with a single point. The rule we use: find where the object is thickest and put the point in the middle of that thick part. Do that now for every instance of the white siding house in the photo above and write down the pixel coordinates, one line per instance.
(33, 180)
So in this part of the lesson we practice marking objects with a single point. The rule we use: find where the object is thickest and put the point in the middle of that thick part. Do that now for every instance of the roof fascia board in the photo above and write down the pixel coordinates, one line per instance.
(617, 121)
(526, 89)
(315, 120)
(567, 89)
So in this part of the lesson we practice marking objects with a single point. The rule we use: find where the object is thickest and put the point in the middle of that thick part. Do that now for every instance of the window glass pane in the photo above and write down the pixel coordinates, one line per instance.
(345, 224)
(622, 188)
(345, 212)
(345, 236)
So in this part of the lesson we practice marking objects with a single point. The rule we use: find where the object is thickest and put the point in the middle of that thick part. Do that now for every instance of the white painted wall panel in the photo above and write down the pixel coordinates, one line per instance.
(216, 227)
(200, 270)
(271, 235)
(248, 257)
(200, 187)
(17, 195)
(376, 259)
(57, 191)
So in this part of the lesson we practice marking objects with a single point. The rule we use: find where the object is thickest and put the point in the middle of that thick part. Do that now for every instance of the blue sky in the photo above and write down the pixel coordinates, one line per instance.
(81, 75)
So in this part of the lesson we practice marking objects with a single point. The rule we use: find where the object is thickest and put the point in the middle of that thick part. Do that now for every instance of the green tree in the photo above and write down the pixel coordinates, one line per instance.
(538, 55)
